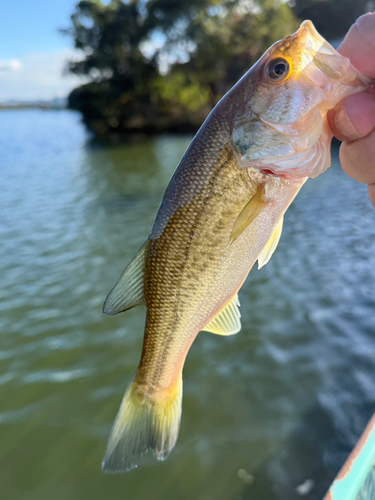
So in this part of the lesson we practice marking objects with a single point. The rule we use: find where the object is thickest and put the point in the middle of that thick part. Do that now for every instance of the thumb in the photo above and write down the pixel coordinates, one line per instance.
(353, 117)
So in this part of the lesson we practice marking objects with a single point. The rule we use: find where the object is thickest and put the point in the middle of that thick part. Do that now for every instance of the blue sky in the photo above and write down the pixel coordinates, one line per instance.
(32, 51)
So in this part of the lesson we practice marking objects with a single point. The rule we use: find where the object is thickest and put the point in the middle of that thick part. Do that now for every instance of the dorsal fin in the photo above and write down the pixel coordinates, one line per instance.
(250, 211)
(128, 292)
(227, 322)
(271, 245)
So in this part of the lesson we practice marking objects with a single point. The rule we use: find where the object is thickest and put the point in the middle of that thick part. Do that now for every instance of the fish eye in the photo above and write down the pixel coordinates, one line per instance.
(278, 69)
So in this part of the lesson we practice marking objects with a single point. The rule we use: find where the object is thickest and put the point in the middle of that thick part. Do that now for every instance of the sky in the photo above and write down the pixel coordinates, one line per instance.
(32, 51)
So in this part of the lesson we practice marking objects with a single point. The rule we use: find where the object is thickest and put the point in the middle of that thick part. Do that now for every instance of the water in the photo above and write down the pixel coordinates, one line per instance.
(282, 402)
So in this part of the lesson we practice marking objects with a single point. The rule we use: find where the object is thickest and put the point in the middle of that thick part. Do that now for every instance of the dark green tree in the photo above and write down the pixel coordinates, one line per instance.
(161, 65)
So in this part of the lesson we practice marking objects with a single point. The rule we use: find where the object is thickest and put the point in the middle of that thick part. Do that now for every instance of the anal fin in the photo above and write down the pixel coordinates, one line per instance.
(227, 322)
(271, 245)
(128, 292)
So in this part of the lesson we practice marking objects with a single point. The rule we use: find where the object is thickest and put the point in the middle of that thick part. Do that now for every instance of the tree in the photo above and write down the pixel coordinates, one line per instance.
(161, 65)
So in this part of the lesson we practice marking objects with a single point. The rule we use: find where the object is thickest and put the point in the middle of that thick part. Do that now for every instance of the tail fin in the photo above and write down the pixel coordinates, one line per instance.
(143, 423)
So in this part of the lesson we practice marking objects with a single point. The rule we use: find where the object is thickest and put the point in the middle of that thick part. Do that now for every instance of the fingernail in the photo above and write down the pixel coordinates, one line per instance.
(344, 124)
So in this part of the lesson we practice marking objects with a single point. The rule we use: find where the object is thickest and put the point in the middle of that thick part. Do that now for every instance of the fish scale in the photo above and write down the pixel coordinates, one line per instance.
(176, 265)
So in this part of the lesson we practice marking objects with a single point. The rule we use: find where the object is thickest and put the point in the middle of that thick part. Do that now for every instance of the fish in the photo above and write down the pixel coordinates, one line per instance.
(222, 211)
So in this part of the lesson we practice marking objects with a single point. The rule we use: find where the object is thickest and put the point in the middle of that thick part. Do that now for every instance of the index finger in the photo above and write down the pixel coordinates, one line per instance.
(359, 44)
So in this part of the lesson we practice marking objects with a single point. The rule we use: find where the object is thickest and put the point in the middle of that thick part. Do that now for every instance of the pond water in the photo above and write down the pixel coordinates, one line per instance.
(264, 411)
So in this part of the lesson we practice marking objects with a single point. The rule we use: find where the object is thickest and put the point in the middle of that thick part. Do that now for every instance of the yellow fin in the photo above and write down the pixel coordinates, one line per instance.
(128, 292)
(271, 245)
(251, 210)
(227, 322)
(144, 422)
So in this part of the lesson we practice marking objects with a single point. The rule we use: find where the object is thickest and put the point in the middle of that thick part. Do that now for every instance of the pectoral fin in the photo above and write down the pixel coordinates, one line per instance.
(268, 250)
(227, 322)
(128, 292)
(251, 210)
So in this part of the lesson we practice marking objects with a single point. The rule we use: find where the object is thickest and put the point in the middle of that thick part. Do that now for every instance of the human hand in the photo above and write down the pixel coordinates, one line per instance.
(353, 119)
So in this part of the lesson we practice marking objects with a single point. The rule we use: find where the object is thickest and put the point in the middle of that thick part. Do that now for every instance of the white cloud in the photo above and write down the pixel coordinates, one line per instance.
(37, 76)
(10, 65)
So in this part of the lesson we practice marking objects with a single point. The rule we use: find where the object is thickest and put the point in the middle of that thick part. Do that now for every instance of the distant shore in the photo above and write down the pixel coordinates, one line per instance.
(30, 106)
(58, 103)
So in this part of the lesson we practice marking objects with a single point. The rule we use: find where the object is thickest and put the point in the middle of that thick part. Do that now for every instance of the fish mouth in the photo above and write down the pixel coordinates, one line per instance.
(304, 45)
(323, 65)
(309, 38)
(310, 45)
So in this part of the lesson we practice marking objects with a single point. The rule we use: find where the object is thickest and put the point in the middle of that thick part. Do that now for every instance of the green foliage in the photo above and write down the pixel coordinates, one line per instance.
(228, 45)
(177, 89)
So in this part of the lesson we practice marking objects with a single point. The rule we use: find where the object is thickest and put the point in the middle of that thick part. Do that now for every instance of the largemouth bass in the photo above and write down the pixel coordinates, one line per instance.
(222, 211)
